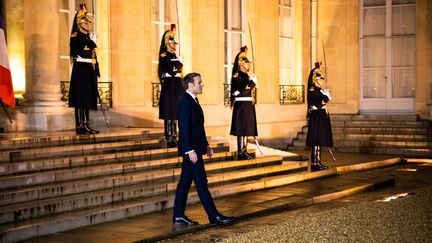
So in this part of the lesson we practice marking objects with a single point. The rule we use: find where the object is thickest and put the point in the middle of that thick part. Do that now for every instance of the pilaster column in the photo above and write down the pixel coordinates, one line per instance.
(43, 109)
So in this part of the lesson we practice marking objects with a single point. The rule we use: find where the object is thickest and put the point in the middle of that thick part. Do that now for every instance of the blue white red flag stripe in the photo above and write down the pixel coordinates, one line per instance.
(6, 88)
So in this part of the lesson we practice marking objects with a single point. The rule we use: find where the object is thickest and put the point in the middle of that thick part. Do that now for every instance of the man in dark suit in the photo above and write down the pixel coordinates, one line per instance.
(192, 146)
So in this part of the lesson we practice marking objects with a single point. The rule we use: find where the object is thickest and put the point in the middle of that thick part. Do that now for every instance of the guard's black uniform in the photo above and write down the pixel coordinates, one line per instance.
(243, 121)
(171, 82)
(319, 127)
(83, 84)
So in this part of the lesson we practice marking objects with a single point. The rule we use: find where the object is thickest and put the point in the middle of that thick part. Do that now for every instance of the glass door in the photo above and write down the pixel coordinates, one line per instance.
(387, 45)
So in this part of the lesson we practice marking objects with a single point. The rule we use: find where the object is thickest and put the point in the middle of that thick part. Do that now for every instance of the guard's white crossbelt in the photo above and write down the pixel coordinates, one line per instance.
(243, 99)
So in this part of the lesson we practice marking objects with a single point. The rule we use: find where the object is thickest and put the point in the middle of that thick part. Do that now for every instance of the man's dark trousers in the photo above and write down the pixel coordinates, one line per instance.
(193, 172)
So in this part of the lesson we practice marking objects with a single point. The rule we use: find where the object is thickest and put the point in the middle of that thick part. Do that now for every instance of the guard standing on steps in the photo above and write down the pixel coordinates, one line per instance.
(169, 71)
(243, 121)
(85, 71)
(319, 126)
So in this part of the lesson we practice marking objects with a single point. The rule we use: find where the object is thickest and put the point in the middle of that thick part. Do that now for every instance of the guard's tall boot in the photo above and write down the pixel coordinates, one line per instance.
(240, 152)
(173, 127)
(315, 166)
(79, 120)
(241, 149)
(245, 143)
(323, 167)
(167, 130)
(86, 122)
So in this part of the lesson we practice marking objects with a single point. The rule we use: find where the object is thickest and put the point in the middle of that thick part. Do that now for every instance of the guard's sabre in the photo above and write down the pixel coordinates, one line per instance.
(331, 153)
(253, 65)
(5, 110)
(325, 64)
(178, 26)
(258, 146)
(252, 49)
(103, 111)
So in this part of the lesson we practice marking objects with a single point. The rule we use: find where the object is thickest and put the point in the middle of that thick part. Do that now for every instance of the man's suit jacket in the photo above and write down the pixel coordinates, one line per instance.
(192, 135)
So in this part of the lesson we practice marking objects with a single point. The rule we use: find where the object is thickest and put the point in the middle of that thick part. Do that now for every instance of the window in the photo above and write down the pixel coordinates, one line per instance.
(286, 50)
(234, 33)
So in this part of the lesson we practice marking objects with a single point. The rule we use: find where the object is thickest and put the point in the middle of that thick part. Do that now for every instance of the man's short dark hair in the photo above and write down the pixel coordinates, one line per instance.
(189, 78)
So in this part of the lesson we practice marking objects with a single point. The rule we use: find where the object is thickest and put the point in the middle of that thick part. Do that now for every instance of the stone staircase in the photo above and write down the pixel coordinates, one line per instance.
(54, 183)
(404, 135)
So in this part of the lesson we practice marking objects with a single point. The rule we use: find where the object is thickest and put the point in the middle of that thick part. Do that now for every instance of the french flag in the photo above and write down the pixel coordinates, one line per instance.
(6, 88)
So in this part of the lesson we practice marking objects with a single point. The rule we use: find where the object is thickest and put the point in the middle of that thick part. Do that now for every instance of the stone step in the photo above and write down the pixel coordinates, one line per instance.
(110, 212)
(29, 140)
(37, 165)
(404, 152)
(372, 143)
(379, 137)
(24, 194)
(379, 130)
(98, 170)
(217, 176)
(386, 124)
(374, 117)
(78, 149)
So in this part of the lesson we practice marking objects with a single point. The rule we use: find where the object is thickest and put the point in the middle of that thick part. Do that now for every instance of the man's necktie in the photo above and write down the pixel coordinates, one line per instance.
(196, 99)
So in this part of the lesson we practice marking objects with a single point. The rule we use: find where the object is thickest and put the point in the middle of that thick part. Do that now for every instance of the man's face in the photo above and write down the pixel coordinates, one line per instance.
(197, 86)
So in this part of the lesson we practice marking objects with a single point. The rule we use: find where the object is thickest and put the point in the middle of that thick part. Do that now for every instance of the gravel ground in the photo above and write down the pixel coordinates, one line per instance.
(406, 219)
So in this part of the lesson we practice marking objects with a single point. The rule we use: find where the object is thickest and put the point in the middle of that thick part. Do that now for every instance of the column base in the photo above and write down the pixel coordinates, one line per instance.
(38, 119)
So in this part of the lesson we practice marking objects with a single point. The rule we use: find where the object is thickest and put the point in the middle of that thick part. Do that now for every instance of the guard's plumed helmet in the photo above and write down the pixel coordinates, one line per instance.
(81, 15)
(170, 34)
(318, 78)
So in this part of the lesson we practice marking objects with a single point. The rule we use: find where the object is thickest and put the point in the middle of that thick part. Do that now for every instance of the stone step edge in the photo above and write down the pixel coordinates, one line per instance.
(43, 142)
(378, 183)
(73, 162)
(75, 149)
(45, 225)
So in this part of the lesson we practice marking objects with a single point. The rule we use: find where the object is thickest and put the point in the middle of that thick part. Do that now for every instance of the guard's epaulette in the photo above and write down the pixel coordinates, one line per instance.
(235, 75)
(312, 89)
(74, 34)
(163, 54)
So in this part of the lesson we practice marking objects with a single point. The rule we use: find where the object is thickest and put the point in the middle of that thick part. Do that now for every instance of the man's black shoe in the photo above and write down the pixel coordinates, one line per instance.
(184, 220)
(220, 219)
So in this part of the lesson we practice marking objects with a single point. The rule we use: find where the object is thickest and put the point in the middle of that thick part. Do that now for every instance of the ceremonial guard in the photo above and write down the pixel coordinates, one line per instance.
(319, 126)
(170, 74)
(243, 123)
(83, 89)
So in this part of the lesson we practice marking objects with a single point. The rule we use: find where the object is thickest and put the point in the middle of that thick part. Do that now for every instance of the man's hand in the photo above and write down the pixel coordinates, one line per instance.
(209, 152)
(193, 157)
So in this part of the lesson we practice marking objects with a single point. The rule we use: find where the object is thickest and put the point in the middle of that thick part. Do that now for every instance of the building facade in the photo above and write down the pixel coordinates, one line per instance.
(376, 55)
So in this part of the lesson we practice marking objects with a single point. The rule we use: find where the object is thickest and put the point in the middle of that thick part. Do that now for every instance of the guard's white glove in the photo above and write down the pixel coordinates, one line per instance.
(93, 37)
(254, 79)
(179, 59)
(326, 92)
